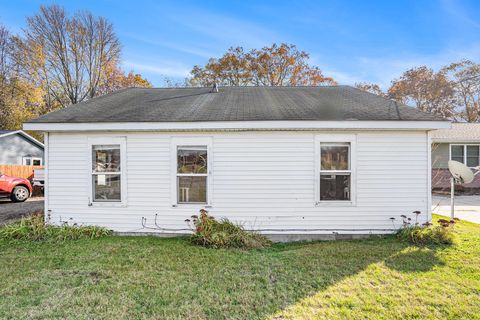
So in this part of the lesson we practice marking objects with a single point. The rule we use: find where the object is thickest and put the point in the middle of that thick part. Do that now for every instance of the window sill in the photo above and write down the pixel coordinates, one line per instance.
(191, 205)
(335, 204)
(107, 204)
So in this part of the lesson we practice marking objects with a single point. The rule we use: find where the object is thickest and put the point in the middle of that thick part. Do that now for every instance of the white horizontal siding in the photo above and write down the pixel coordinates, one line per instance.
(264, 180)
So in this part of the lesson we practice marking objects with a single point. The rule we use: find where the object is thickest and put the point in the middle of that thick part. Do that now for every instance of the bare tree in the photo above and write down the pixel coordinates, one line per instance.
(74, 51)
(5, 48)
(466, 82)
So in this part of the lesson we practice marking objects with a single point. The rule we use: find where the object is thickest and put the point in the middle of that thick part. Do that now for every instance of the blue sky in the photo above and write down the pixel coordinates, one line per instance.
(351, 41)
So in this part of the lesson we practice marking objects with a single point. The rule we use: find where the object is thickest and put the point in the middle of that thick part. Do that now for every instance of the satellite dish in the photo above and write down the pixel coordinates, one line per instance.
(460, 172)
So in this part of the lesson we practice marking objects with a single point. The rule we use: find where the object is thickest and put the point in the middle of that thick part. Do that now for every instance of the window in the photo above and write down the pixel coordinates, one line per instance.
(192, 171)
(334, 169)
(468, 154)
(32, 161)
(107, 170)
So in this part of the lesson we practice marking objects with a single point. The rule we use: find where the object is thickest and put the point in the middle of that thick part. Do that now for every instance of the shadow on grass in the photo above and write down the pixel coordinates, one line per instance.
(413, 259)
(171, 278)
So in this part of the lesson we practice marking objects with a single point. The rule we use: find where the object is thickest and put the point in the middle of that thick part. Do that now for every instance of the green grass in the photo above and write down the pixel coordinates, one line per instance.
(154, 278)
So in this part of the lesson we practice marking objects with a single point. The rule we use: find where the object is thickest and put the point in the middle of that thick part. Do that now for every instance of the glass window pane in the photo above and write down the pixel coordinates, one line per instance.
(192, 159)
(457, 153)
(106, 158)
(28, 162)
(334, 186)
(473, 154)
(107, 187)
(37, 162)
(192, 189)
(334, 157)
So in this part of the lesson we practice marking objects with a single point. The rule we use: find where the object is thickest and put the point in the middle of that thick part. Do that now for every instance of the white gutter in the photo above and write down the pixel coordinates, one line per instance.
(237, 125)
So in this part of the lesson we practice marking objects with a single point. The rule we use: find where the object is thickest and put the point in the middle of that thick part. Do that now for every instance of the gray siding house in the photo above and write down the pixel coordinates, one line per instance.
(18, 147)
(460, 143)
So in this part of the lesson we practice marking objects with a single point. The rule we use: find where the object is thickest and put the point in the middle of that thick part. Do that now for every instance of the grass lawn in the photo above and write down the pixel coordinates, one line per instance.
(154, 278)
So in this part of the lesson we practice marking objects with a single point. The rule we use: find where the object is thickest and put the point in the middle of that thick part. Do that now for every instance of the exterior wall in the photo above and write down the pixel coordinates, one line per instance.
(441, 175)
(264, 180)
(440, 155)
(14, 147)
(441, 181)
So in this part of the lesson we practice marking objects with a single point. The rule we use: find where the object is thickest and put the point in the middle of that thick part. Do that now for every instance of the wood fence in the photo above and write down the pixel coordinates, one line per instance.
(19, 170)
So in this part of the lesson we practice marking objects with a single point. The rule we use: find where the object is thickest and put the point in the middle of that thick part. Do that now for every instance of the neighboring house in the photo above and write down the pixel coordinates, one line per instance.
(18, 147)
(296, 162)
(461, 143)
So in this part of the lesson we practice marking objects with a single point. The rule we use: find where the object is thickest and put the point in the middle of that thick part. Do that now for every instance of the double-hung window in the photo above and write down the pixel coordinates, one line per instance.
(335, 179)
(107, 170)
(192, 171)
(32, 161)
(468, 154)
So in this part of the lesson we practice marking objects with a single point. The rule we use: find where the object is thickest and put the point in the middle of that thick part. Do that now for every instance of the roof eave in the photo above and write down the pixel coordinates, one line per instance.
(25, 135)
(237, 125)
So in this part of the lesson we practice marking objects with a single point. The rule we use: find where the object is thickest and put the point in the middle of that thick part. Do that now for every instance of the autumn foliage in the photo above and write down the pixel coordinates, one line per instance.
(58, 60)
(452, 92)
(276, 65)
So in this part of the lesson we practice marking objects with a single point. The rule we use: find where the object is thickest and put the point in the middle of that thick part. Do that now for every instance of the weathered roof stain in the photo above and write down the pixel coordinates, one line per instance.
(336, 103)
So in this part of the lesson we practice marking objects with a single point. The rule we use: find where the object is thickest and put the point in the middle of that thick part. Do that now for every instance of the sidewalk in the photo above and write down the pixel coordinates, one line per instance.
(466, 207)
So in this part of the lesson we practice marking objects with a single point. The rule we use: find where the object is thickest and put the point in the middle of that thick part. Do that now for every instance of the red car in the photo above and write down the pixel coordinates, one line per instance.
(17, 189)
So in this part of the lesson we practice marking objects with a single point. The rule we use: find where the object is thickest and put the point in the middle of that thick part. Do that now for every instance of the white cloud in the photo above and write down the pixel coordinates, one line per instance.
(459, 12)
(382, 70)
(185, 48)
(172, 69)
(224, 30)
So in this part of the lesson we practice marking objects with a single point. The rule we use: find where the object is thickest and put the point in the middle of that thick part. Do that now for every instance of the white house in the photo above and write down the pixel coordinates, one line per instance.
(292, 162)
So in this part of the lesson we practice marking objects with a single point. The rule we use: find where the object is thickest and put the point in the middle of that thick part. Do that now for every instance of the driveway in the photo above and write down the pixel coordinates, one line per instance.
(10, 211)
(466, 207)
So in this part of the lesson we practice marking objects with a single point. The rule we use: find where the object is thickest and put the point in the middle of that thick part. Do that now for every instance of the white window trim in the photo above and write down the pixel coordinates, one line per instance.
(31, 160)
(191, 141)
(123, 172)
(464, 145)
(336, 138)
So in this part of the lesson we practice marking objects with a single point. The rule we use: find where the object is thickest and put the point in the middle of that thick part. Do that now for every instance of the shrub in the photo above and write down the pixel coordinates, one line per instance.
(209, 232)
(34, 228)
(427, 233)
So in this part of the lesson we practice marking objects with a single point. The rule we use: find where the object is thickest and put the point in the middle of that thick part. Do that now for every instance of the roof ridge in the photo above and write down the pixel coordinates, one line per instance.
(220, 86)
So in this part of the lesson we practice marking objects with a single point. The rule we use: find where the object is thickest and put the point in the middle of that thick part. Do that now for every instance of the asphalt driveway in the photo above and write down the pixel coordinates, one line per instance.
(466, 207)
(10, 211)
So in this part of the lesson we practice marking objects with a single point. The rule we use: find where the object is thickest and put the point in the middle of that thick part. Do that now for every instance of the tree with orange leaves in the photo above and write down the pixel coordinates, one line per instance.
(277, 65)
(428, 90)
(114, 78)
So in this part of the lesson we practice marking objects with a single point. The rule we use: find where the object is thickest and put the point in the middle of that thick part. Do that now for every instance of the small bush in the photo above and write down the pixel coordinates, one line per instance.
(34, 228)
(427, 233)
(209, 232)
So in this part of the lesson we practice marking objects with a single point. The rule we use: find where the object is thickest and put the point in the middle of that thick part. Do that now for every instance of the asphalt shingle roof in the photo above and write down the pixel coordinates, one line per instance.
(459, 132)
(235, 104)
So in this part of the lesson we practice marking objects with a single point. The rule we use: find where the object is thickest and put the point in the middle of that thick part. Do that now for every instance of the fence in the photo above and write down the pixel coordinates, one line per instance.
(19, 170)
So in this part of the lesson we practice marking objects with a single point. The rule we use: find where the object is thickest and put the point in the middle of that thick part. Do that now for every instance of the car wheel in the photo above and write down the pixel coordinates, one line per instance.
(19, 194)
